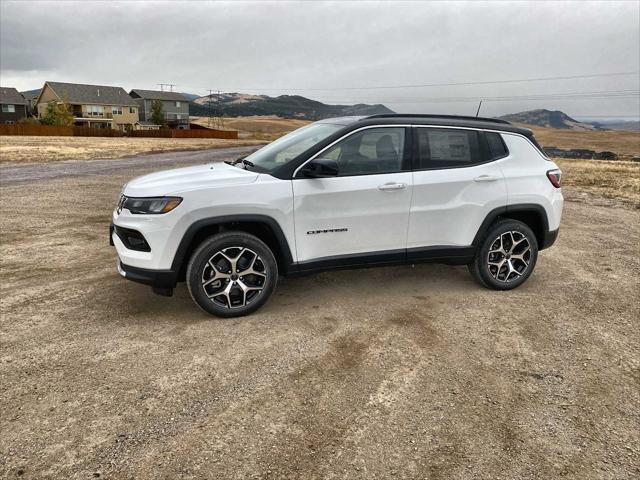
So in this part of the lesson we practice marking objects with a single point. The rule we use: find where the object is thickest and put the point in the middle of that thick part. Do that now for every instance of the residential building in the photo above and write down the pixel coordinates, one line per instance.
(96, 106)
(13, 106)
(31, 96)
(175, 106)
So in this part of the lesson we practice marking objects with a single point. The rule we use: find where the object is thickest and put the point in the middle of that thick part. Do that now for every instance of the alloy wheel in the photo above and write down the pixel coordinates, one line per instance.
(234, 277)
(509, 256)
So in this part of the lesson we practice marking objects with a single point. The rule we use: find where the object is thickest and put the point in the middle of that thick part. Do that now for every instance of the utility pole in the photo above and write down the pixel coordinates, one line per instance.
(220, 115)
(214, 109)
(169, 85)
(210, 121)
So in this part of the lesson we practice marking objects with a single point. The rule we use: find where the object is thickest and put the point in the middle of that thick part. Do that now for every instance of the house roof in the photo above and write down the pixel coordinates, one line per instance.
(158, 95)
(31, 94)
(146, 123)
(93, 94)
(11, 96)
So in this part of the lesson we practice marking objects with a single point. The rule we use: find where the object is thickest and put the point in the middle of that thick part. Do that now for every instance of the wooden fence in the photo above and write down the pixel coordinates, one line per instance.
(59, 131)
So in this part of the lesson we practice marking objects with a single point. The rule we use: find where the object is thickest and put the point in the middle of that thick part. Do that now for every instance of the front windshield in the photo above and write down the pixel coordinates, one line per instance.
(278, 153)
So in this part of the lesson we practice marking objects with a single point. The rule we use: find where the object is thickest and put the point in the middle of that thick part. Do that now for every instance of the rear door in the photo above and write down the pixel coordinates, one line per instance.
(457, 182)
(363, 212)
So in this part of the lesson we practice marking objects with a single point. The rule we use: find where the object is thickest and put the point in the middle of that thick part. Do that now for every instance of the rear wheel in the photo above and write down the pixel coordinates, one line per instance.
(232, 274)
(506, 256)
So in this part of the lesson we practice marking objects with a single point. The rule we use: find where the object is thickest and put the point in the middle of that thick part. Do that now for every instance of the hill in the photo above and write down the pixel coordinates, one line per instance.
(189, 96)
(549, 119)
(627, 125)
(285, 106)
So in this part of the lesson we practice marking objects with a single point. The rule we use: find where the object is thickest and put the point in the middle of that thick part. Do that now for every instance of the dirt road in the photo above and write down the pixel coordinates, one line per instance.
(12, 174)
(383, 373)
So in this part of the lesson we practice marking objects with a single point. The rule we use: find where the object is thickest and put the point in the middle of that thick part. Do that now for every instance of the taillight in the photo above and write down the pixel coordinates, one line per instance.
(555, 176)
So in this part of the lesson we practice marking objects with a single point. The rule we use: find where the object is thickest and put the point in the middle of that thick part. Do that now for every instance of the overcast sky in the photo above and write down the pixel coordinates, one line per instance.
(325, 50)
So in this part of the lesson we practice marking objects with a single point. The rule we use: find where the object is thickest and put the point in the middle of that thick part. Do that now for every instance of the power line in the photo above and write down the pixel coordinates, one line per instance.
(450, 84)
(595, 94)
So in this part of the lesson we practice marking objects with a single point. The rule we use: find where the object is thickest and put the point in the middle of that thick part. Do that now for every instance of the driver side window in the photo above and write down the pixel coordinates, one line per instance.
(371, 151)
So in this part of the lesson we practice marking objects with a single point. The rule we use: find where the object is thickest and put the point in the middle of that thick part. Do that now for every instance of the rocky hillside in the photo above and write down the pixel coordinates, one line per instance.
(549, 119)
(285, 106)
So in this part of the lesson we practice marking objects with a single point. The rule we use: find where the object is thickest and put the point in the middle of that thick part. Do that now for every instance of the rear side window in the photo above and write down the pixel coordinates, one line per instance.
(442, 148)
(497, 148)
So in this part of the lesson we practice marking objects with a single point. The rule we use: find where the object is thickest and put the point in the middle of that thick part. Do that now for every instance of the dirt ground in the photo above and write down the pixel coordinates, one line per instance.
(25, 149)
(382, 373)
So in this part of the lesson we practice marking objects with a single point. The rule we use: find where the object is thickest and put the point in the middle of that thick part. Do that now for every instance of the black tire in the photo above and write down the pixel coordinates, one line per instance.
(513, 272)
(210, 293)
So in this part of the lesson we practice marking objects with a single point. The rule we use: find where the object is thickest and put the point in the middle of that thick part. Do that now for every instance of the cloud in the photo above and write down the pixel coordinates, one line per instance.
(274, 48)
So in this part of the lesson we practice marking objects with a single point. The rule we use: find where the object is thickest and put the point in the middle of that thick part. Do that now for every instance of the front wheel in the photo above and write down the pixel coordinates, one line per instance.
(506, 256)
(232, 274)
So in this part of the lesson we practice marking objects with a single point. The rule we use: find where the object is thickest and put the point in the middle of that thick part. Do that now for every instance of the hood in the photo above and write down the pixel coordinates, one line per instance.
(169, 182)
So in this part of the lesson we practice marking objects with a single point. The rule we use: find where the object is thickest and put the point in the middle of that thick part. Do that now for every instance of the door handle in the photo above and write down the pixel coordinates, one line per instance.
(485, 178)
(392, 186)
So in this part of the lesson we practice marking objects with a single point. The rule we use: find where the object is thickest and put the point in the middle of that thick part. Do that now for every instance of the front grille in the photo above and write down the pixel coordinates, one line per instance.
(132, 239)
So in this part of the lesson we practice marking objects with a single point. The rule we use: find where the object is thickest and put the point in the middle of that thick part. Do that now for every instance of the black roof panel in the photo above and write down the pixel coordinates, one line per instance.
(481, 123)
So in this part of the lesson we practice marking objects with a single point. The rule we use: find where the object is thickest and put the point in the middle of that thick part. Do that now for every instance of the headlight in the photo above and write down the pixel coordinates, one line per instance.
(148, 205)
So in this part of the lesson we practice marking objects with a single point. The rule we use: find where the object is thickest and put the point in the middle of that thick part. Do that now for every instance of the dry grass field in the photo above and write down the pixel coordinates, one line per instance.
(605, 178)
(625, 144)
(258, 128)
(26, 149)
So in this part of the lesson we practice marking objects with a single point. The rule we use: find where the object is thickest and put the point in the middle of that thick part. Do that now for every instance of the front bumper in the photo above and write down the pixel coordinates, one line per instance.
(161, 281)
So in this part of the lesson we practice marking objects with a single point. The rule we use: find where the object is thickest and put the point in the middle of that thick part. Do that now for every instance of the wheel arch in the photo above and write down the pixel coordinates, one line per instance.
(264, 227)
(531, 214)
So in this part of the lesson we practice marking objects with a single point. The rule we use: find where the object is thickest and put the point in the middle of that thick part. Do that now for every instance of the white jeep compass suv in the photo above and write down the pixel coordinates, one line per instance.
(343, 193)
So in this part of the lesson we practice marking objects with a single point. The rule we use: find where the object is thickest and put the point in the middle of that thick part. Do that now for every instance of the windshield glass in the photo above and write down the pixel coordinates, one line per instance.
(285, 149)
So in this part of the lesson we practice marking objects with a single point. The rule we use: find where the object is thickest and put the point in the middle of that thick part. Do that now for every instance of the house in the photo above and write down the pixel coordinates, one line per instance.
(13, 106)
(96, 106)
(31, 96)
(175, 106)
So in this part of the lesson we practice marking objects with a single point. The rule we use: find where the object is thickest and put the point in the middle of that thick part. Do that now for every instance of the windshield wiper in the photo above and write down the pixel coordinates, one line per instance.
(246, 163)
(240, 160)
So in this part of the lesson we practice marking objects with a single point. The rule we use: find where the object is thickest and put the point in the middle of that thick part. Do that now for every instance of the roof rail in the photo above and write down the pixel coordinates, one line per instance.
(451, 117)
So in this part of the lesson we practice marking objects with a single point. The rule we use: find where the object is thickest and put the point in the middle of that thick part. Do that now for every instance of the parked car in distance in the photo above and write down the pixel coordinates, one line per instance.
(344, 193)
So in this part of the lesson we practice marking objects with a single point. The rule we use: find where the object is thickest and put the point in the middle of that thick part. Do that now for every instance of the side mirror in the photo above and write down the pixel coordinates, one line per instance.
(320, 168)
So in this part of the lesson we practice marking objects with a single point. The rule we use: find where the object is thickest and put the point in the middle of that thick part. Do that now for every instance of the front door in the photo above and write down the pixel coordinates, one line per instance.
(363, 212)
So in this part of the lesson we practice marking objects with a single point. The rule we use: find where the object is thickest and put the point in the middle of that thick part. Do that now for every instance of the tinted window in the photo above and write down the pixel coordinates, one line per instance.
(496, 145)
(440, 147)
(375, 150)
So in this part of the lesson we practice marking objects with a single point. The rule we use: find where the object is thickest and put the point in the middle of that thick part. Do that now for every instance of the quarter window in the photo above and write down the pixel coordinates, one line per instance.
(375, 150)
(496, 145)
(442, 148)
